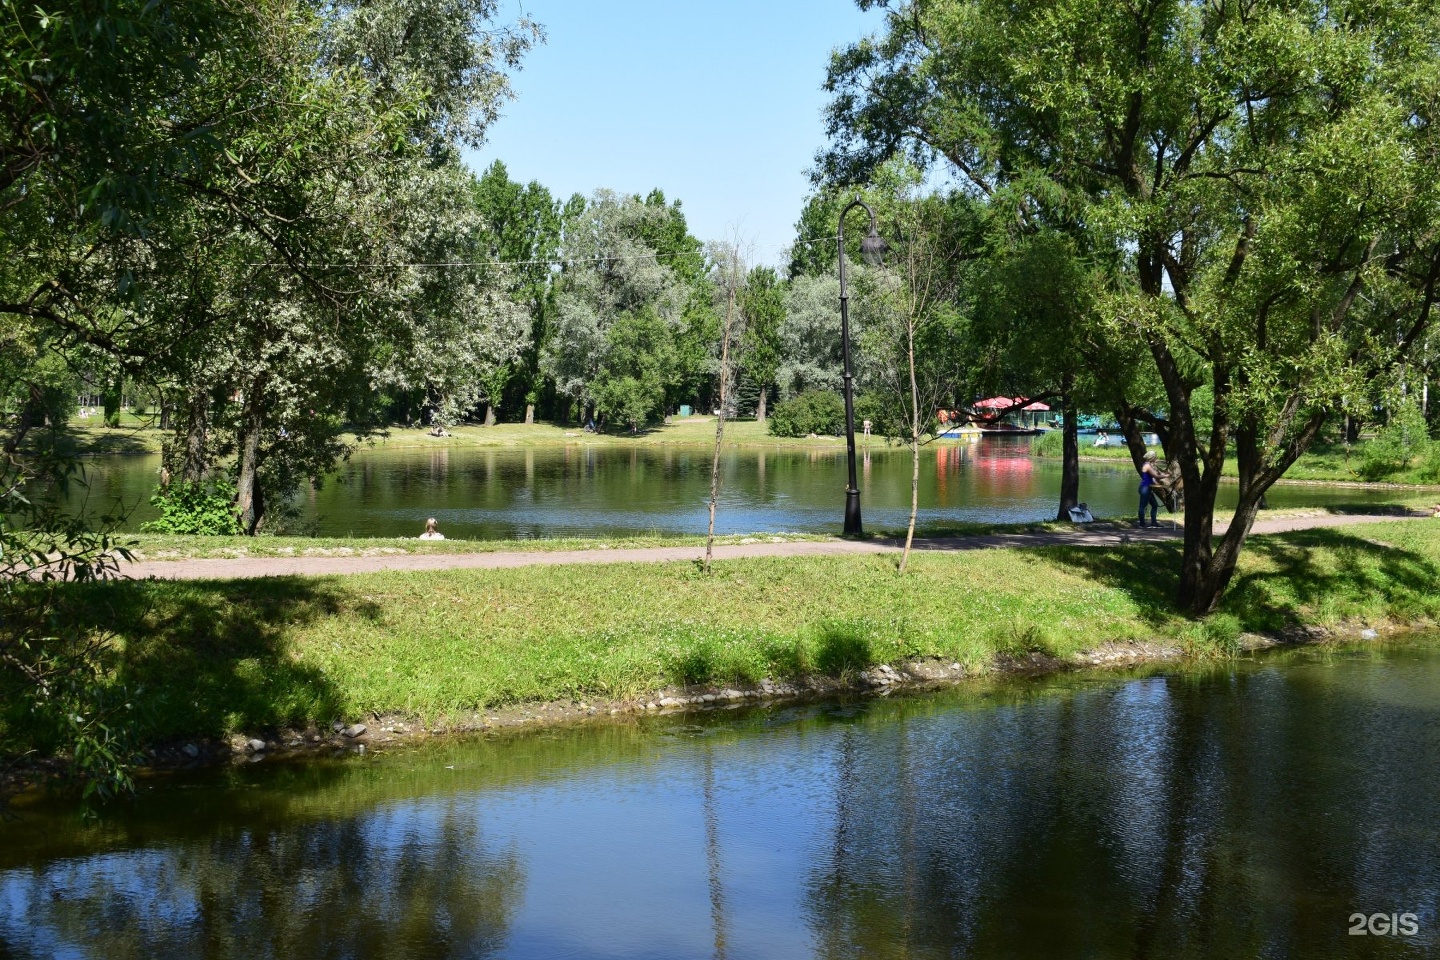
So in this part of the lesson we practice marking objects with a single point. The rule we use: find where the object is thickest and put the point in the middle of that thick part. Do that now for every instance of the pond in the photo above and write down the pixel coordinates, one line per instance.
(1242, 809)
(580, 490)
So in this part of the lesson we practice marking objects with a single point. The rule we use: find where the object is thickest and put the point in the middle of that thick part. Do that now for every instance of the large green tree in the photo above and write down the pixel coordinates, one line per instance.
(762, 305)
(253, 205)
(522, 228)
(626, 341)
(1261, 171)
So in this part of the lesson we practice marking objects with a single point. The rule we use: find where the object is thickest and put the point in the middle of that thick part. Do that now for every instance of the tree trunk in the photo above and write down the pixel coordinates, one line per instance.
(1133, 434)
(1070, 459)
(529, 413)
(249, 507)
(914, 499)
(720, 422)
(26, 421)
(489, 414)
(167, 415)
(1206, 572)
(196, 428)
(760, 406)
(914, 444)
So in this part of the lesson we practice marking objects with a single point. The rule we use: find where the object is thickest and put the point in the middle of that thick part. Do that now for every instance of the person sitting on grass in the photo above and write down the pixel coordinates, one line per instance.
(430, 532)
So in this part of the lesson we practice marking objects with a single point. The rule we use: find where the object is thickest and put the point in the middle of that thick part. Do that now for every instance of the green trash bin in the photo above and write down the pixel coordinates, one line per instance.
(684, 411)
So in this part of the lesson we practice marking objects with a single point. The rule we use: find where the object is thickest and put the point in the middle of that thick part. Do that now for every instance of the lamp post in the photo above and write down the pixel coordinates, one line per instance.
(872, 248)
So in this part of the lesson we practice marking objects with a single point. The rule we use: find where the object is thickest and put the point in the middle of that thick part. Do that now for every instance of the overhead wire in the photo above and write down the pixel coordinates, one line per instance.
(553, 262)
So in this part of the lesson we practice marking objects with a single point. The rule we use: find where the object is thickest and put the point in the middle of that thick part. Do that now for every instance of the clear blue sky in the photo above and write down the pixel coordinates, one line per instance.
(717, 104)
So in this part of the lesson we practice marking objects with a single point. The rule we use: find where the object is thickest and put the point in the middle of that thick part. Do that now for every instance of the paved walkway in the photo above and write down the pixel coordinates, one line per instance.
(1099, 535)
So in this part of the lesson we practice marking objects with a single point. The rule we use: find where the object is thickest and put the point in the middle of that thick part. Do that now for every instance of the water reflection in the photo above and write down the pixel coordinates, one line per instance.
(1165, 818)
(404, 880)
(1242, 811)
(591, 491)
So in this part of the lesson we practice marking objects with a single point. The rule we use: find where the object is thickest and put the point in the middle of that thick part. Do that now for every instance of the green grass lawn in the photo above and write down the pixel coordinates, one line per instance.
(212, 658)
(89, 436)
(690, 431)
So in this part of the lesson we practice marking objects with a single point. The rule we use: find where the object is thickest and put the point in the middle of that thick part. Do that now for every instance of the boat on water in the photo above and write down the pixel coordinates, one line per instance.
(967, 432)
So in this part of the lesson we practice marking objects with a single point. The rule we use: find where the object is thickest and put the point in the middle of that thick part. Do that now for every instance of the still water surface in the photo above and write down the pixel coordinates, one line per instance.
(1240, 810)
(608, 491)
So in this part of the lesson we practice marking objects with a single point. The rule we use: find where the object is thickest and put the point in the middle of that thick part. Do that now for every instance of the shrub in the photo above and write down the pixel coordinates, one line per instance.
(1404, 439)
(56, 694)
(814, 411)
(200, 508)
(1429, 470)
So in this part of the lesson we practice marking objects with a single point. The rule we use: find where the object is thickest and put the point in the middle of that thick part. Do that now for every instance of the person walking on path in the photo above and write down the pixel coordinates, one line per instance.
(1148, 476)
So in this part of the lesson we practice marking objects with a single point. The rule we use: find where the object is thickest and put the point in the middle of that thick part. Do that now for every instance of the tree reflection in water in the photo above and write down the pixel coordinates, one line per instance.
(1243, 809)
(412, 879)
(1163, 818)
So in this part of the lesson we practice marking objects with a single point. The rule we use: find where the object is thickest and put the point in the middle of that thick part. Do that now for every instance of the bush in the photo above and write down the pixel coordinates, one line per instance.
(1404, 439)
(56, 691)
(206, 509)
(1429, 470)
(814, 411)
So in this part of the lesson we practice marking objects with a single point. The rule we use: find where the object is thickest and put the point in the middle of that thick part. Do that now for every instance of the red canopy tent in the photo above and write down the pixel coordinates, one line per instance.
(1007, 405)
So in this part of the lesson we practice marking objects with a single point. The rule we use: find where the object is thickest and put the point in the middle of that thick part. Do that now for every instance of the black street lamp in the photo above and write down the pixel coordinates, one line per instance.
(872, 248)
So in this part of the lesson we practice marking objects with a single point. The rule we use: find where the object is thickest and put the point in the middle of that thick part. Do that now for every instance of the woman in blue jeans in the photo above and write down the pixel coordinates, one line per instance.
(1148, 476)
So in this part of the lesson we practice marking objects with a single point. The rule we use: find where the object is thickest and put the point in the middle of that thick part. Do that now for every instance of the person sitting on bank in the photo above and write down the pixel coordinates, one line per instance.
(431, 533)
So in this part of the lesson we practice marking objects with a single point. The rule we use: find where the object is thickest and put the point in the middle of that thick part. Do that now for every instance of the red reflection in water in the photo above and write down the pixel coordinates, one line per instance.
(1002, 470)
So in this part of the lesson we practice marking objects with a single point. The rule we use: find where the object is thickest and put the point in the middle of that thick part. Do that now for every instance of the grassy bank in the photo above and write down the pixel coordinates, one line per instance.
(1323, 463)
(137, 435)
(213, 658)
(690, 431)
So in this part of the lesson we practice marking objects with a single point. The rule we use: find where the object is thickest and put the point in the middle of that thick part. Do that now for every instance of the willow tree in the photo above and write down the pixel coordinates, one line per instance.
(623, 307)
(1261, 171)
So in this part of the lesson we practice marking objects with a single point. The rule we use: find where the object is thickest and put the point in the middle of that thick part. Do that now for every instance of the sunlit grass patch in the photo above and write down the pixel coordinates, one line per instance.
(216, 657)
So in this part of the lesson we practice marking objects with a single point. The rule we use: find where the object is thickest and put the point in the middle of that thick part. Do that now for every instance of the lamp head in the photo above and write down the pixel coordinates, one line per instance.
(873, 248)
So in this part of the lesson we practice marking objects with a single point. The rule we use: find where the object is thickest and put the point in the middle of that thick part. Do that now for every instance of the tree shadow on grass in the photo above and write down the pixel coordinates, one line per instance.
(207, 657)
(1282, 580)
(843, 648)
(1357, 573)
(1148, 573)
(1372, 509)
